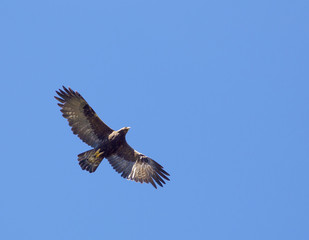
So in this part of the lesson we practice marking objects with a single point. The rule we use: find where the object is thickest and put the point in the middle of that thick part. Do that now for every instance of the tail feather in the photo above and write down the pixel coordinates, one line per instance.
(90, 160)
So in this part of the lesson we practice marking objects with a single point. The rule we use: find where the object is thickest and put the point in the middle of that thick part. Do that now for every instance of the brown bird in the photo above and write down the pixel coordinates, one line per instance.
(106, 142)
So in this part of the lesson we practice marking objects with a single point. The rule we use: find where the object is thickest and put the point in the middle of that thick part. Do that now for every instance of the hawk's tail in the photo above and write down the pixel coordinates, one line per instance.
(90, 160)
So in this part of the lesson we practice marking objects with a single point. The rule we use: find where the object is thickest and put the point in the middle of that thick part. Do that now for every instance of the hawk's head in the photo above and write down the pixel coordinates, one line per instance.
(124, 130)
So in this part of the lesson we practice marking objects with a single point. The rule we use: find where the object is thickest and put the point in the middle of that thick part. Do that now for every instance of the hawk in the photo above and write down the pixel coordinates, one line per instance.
(106, 142)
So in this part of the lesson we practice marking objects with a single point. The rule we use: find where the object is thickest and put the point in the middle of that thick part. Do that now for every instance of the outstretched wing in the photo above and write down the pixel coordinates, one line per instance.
(81, 117)
(136, 166)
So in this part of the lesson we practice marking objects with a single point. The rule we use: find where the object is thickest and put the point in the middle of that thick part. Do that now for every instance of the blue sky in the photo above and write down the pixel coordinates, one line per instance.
(215, 91)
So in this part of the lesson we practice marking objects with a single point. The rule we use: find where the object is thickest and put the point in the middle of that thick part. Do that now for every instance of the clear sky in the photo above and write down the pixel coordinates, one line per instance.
(215, 91)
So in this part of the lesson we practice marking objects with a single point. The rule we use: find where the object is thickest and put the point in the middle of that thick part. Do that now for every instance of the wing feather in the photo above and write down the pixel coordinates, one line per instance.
(137, 167)
(83, 120)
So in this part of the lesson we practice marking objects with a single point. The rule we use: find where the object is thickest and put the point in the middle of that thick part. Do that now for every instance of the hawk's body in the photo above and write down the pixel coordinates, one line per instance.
(106, 142)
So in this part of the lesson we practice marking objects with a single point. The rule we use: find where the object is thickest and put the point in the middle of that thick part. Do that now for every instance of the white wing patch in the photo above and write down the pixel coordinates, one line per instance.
(143, 169)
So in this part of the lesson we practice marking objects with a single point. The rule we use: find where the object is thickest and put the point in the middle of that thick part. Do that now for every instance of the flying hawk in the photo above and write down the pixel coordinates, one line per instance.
(106, 142)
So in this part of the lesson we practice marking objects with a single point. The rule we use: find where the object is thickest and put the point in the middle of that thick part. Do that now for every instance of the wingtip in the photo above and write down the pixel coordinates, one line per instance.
(59, 99)
(153, 184)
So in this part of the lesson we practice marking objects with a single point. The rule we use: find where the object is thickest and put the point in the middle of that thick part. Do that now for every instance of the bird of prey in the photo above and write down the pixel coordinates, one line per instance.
(106, 142)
